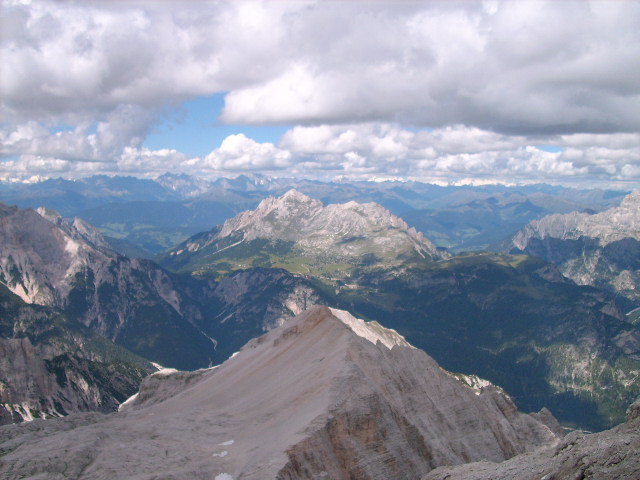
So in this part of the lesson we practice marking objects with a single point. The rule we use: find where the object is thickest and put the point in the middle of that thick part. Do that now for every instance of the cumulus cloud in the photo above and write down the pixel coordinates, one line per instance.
(240, 153)
(458, 152)
(519, 67)
(533, 66)
(433, 89)
(450, 154)
(101, 140)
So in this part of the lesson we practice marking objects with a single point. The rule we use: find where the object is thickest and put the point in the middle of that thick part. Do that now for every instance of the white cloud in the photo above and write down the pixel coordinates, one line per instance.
(532, 66)
(459, 152)
(479, 82)
(358, 151)
(240, 153)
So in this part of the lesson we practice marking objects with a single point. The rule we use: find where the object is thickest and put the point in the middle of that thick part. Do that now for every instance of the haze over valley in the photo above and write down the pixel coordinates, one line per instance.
(320, 240)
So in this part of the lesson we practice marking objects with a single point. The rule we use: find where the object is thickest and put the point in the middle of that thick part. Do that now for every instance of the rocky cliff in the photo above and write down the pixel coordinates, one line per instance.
(298, 232)
(600, 249)
(608, 455)
(51, 365)
(47, 261)
(173, 320)
(323, 396)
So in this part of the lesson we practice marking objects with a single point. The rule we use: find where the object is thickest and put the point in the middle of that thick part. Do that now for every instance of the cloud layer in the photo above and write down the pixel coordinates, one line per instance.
(383, 88)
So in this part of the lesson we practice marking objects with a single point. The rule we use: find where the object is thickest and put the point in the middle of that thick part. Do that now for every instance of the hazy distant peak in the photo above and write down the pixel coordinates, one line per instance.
(49, 215)
(295, 195)
(609, 226)
(297, 217)
(631, 201)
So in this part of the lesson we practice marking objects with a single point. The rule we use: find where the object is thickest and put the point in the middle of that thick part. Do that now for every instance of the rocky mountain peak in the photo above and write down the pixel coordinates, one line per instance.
(50, 215)
(632, 200)
(40, 252)
(310, 399)
(295, 196)
(609, 226)
(372, 331)
(337, 227)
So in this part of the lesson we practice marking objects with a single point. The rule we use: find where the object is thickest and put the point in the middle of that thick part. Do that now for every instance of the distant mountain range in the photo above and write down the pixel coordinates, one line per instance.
(144, 217)
(324, 396)
(519, 322)
(599, 249)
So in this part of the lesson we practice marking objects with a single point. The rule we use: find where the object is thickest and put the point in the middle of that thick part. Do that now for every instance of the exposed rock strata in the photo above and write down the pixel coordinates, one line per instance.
(301, 231)
(610, 455)
(310, 399)
(601, 249)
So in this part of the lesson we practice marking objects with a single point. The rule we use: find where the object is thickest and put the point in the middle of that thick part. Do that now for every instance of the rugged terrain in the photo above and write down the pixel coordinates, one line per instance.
(143, 217)
(519, 322)
(609, 455)
(174, 320)
(51, 365)
(600, 249)
(299, 233)
(324, 396)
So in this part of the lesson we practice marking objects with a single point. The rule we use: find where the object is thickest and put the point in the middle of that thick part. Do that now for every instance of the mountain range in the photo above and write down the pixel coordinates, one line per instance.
(598, 249)
(47, 261)
(520, 323)
(144, 217)
(324, 396)
(300, 234)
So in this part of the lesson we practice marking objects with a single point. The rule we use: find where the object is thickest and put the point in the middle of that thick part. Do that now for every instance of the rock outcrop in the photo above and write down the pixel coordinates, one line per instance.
(300, 230)
(51, 365)
(601, 249)
(314, 398)
(609, 455)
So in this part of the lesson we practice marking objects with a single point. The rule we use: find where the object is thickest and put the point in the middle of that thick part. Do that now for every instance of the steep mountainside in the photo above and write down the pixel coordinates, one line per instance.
(52, 366)
(601, 249)
(47, 261)
(315, 398)
(177, 321)
(517, 322)
(298, 233)
(610, 455)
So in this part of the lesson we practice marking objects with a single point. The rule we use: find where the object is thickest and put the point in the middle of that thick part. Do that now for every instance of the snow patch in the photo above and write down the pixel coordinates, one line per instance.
(162, 371)
(372, 331)
(228, 442)
(128, 401)
(71, 246)
(224, 453)
(223, 476)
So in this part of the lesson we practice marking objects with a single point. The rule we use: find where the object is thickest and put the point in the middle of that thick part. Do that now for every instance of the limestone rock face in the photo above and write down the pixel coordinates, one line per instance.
(46, 260)
(609, 455)
(301, 230)
(323, 396)
(601, 249)
(609, 226)
(36, 385)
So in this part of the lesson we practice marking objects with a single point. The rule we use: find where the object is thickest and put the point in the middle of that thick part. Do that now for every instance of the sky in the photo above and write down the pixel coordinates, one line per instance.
(439, 91)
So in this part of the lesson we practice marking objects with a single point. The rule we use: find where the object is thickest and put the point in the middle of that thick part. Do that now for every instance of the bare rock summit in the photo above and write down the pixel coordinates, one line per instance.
(295, 230)
(324, 396)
